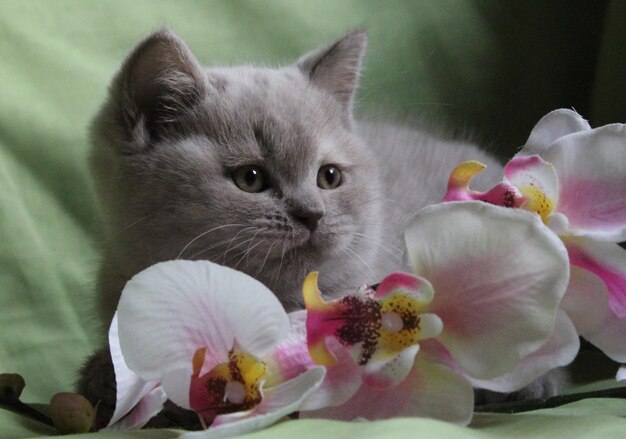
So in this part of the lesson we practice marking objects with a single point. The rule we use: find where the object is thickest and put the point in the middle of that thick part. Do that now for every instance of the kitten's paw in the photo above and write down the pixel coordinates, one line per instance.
(97, 384)
(547, 386)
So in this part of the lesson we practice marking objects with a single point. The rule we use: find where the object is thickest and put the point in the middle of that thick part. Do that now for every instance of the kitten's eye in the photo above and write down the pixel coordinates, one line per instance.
(250, 178)
(329, 177)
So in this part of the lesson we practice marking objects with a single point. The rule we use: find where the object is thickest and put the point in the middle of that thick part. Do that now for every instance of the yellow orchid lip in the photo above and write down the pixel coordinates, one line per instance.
(461, 176)
(537, 201)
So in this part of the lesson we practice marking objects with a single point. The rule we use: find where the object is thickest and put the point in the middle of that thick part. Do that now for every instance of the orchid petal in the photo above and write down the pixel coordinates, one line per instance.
(591, 168)
(537, 181)
(148, 407)
(558, 223)
(176, 384)
(621, 374)
(390, 372)
(610, 337)
(586, 301)
(607, 261)
(171, 309)
(342, 380)
(277, 403)
(552, 126)
(560, 350)
(430, 390)
(291, 358)
(131, 389)
(418, 288)
(498, 274)
(318, 326)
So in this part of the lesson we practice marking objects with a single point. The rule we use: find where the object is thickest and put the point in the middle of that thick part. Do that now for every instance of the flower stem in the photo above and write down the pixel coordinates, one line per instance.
(545, 403)
(17, 406)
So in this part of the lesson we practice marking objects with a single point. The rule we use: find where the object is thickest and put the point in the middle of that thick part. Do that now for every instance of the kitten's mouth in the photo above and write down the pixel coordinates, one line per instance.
(309, 241)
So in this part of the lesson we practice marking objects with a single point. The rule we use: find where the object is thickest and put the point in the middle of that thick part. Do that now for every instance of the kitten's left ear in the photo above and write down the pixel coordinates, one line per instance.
(335, 69)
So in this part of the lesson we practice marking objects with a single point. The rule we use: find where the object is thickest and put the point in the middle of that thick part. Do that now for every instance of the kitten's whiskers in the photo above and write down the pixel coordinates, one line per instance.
(203, 234)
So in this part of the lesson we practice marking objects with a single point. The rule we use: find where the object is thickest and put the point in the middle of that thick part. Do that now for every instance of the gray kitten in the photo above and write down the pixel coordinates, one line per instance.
(260, 169)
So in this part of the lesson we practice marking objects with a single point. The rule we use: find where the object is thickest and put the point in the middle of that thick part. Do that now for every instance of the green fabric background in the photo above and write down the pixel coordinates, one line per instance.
(489, 68)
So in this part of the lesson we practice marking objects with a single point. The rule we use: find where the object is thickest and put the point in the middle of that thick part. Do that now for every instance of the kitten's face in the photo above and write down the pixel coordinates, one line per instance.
(253, 168)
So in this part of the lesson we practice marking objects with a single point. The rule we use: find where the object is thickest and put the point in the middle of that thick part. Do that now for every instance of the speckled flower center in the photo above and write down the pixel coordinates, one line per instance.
(229, 387)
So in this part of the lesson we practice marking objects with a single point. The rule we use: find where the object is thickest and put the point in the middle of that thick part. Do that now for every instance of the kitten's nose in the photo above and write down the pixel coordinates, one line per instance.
(310, 217)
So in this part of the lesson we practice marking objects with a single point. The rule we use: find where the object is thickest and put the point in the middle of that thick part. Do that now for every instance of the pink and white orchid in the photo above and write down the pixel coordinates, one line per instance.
(485, 293)
(200, 334)
(574, 178)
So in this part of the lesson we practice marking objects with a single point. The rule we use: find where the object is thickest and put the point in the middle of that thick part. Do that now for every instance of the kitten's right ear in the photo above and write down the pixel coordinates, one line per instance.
(157, 83)
(336, 68)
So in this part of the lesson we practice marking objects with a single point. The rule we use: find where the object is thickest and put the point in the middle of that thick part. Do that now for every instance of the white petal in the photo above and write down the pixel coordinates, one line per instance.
(277, 403)
(176, 384)
(558, 223)
(607, 261)
(498, 274)
(591, 166)
(171, 309)
(560, 350)
(586, 301)
(610, 337)
(391, 372)
(149, 406)
(552, 126)
(131, 389)
(431, 390)
(621, 374)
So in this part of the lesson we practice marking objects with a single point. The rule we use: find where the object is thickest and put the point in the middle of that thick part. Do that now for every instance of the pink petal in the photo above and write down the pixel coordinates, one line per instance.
(342, 380)
(604, 264)
(551, 127)
(323, 319)
(499, 276)
(171, 309)
(431, 390)
(607, 261)
(591, 166)
(559, 350)
(136, 400)
(291, 358)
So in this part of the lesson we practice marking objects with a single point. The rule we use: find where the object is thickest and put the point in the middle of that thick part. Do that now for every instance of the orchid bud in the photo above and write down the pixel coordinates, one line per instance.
(71, 413)
(11, 386)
